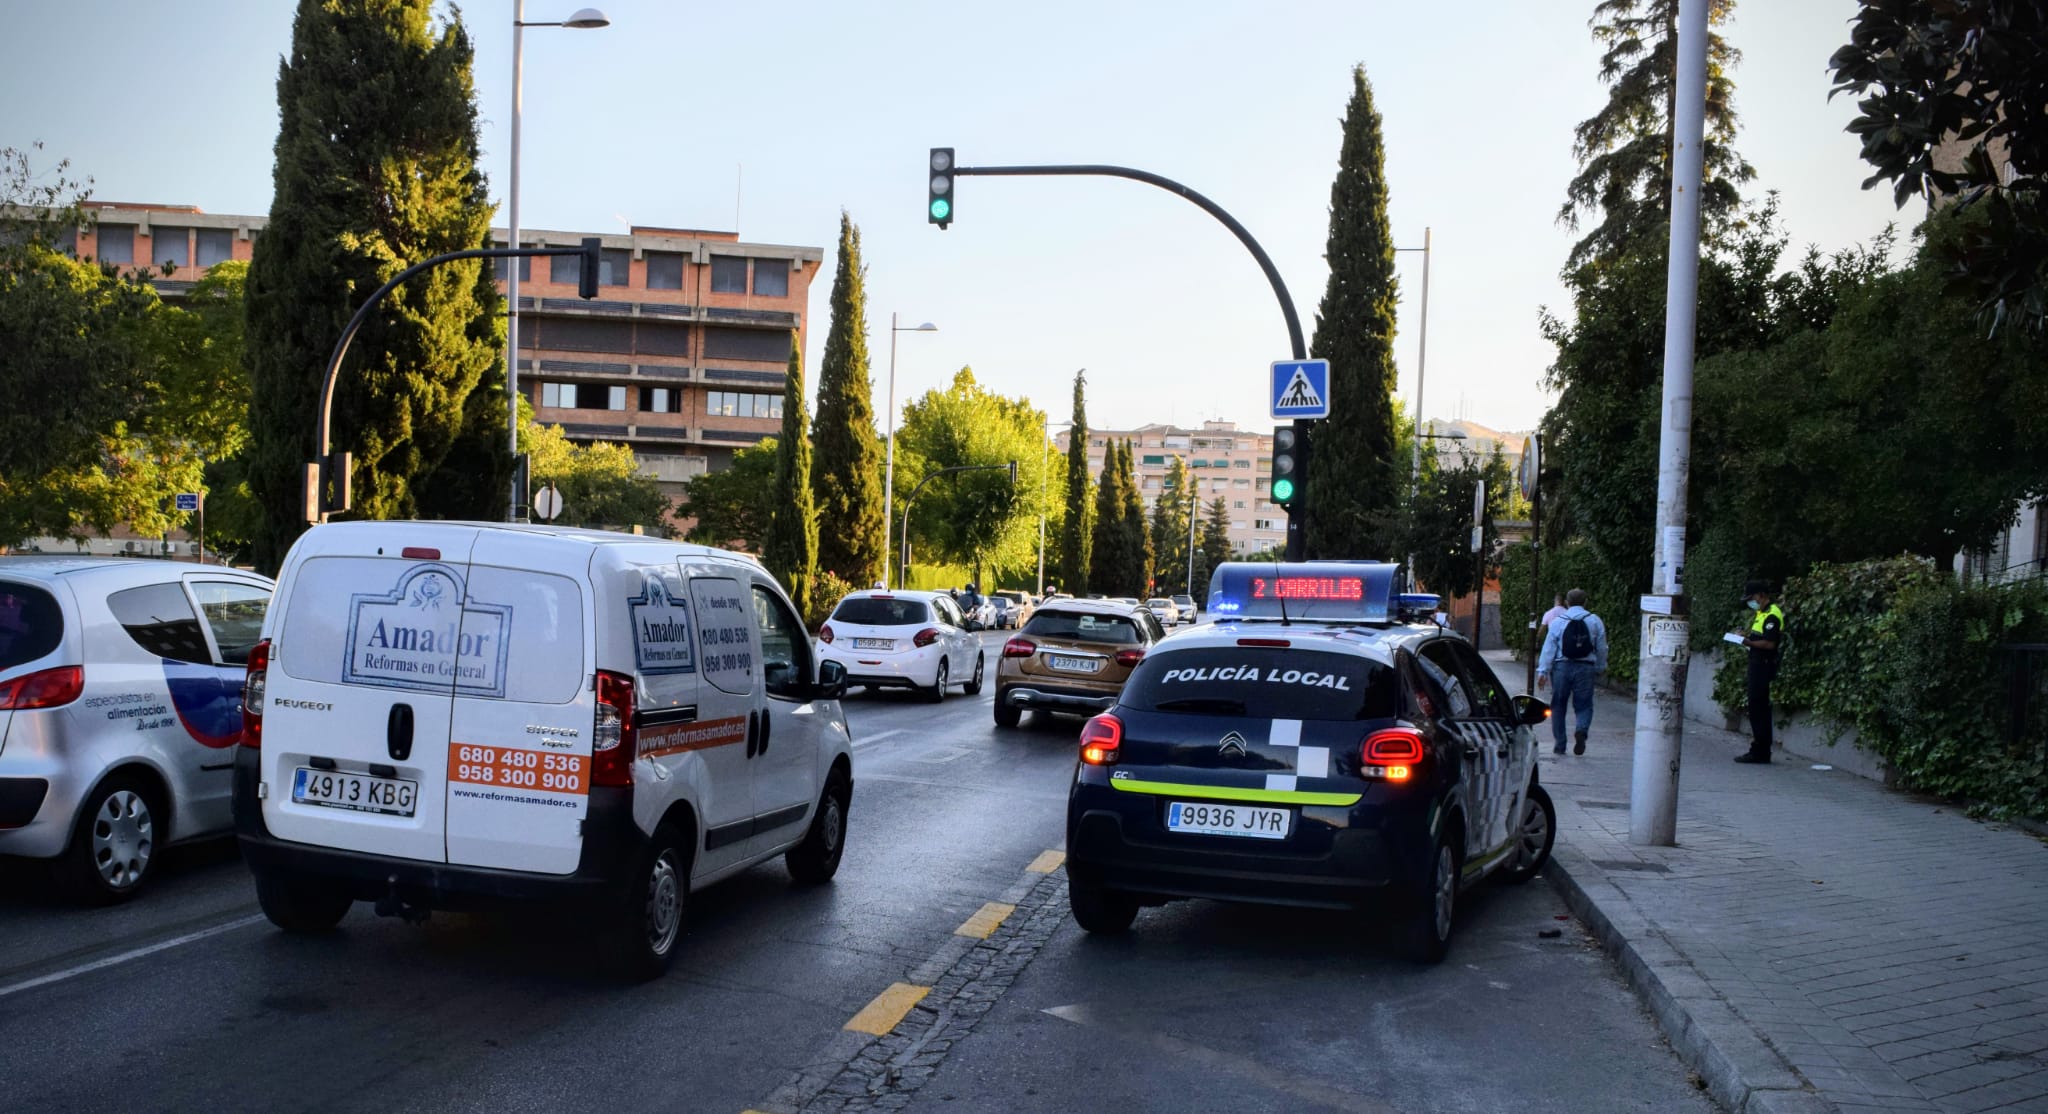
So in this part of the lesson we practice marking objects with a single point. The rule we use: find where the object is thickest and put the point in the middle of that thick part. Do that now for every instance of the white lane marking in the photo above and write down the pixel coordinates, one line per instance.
(138, 953)
(877, 737)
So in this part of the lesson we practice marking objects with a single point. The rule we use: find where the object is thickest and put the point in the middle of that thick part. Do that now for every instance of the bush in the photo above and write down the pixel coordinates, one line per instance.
(1573, 565)
(827, 589)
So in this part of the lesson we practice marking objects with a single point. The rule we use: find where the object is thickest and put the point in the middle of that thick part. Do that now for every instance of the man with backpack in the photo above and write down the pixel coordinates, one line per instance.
(1574, 650)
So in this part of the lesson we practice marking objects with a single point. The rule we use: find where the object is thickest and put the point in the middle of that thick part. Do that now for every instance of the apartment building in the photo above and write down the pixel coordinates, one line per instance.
(1224, 461)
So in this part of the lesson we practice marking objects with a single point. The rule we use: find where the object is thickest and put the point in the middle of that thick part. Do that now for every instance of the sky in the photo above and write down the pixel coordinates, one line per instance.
(773, 117)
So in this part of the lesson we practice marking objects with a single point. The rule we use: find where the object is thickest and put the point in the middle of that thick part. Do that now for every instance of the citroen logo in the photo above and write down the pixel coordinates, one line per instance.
(1231, 745)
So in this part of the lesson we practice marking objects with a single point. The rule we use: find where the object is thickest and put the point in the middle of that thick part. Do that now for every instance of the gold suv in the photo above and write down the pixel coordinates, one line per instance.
(1072, 656)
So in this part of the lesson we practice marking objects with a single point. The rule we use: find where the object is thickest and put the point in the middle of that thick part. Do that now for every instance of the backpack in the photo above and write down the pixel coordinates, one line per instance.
(1577, 641)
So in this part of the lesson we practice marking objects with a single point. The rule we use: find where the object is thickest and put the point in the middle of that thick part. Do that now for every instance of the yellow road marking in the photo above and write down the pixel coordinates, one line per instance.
(983, 924)
(881, 1015)
(1047, 862)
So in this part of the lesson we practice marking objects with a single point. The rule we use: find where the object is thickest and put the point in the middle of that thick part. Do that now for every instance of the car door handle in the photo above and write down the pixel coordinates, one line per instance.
(753, 732)
(398, 732)
(767, 729)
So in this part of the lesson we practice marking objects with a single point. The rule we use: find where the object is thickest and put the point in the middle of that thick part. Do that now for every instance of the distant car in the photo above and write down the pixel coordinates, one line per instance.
(1164, 610)
(1188, 611)
(1073, 656)
(1022, 602)
(120, 708)
(1127, 601)
(1005, 613)
(903, 639)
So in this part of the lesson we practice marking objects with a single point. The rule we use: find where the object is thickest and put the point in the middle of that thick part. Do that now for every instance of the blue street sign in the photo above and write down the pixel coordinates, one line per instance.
(1301, 388)
(187, 500)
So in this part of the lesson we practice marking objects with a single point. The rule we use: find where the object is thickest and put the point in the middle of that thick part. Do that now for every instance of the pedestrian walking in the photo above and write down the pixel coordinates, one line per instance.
(1574, 652)
(1765, 637)
(1556, 609)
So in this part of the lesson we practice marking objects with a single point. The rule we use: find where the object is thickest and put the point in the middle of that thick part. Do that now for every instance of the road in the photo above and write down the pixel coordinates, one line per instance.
(187, 998)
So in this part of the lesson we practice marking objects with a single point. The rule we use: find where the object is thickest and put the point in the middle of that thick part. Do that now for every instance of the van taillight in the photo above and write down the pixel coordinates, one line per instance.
(252, 694)
(612, 737)
(1391, 754)
(1019, 648)
(925, 637)
(45, 688)
(825, 634)
(1101, 738)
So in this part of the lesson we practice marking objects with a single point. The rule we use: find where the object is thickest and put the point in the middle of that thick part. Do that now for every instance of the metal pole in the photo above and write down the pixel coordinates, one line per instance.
(1660, 685)
(1044, 458)
(1478, 559)
(512, 277)
(889, 463)
(1536, 607)
(1421, 366)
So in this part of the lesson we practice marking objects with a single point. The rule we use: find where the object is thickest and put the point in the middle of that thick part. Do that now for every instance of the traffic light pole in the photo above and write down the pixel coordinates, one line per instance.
(1297, 513)
(903, 551)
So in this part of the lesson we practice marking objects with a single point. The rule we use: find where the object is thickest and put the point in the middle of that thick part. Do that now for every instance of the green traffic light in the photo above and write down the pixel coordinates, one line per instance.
(1283, 490)
(941, 208)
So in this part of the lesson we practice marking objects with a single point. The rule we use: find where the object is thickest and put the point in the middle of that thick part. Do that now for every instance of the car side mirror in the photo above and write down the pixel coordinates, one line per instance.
(831, 681)
(1530, 711)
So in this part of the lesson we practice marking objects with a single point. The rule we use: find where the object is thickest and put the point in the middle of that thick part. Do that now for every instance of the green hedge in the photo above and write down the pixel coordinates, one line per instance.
(1897, 650)
(1564, 568)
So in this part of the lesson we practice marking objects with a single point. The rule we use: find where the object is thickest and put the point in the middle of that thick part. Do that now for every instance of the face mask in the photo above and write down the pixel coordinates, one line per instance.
(1755, 606)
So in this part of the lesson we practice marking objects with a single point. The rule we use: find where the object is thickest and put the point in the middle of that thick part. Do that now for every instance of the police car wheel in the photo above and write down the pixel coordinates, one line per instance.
(649, 921)
(1007, 714)
(1100, 911)
(1426, 929)
(814, 861)
(1533, 839)
(937, 692)
(973, 688)
(114, 843)
(305, 908)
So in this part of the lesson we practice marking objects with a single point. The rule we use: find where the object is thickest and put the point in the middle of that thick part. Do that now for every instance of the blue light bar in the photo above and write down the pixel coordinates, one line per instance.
(1319, 591)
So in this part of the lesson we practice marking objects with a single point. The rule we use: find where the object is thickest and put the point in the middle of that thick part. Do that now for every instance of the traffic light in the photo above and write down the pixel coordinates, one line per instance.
(586, 282)
(939, 210)
(1290, 466)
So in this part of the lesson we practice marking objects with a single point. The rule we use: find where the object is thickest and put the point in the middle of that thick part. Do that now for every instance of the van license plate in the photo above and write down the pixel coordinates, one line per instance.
(1074, 665)
(1228, 820)
(355, 792)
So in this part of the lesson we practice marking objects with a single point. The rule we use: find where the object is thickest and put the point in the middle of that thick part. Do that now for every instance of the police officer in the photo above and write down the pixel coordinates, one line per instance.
(1766, 634)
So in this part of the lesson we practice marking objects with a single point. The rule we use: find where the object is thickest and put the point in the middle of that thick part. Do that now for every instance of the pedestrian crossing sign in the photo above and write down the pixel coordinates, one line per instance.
(1301, 388)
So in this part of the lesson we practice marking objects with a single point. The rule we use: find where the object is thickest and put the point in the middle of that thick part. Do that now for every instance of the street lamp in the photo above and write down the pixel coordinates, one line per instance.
(585, 19)
(1044, 459)
(889, 464)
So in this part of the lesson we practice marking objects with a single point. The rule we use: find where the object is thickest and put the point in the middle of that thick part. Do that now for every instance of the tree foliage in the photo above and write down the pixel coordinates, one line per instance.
(1438, 531)
(1109, 552)
(791, 551)
(1354, 477)
(1075, 532)
(848, 472)
(375, 170)
(1954, 103)
(1171, 512)
(1137, 570)
(734, 506)
(1214, 548)
(977, 518)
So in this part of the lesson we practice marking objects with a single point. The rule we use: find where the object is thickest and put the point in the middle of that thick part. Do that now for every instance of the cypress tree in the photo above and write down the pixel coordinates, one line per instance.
(1074, 531)
(1137, 540)
(1170, 513)
(1353, 478)
(791, 552)
(1215, 541)
(848, 475)
(375, 170)
(1106, 559)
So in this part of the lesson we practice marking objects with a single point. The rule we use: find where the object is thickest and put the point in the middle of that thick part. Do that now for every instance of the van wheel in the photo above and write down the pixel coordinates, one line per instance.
(1533, 837)
(814, 861)
(1007, 714)
(1100, 911)
(973, 688)
(937, 692)
(1425, 928)
(301, 907)
(647, 926)
(114, 842)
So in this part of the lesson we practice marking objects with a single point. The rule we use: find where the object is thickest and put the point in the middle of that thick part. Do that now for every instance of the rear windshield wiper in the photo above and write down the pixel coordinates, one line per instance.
(1216, 704)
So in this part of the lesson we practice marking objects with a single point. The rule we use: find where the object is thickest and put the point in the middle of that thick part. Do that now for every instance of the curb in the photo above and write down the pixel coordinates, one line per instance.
(1742, 1071)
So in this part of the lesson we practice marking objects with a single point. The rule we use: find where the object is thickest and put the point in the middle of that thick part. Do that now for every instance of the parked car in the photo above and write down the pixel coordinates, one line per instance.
(1023, 603)
(120, 697)
(1164, 610)
(1005, 613)
(1188, 611)
(903, 639)
(1073, 656)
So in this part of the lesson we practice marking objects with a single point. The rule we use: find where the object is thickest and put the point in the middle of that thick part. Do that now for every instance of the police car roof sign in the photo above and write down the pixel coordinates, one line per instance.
(1317, 592)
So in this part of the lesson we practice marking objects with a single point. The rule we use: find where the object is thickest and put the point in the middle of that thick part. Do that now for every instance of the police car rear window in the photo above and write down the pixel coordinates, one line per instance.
(1083, 626)
(872, 611)
(31, 624)
(1262, 683)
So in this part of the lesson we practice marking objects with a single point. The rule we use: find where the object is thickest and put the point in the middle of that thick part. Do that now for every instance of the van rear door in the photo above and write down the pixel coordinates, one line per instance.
(371, 638)
(519, 754)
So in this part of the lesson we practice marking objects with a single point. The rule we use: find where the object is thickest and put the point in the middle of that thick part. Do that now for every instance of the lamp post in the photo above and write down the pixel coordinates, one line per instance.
(889, 462)
(585, 19)
(1421, 364)
(1044, 460)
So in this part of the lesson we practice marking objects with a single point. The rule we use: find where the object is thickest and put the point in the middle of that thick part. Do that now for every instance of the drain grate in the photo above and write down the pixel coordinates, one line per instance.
(1632, 864)
(1603, 804)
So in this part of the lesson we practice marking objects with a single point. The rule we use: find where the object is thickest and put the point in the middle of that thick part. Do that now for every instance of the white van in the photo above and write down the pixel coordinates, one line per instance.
(448, 715)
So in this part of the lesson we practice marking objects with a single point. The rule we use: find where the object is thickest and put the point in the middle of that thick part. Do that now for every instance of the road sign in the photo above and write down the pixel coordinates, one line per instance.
(1532, 465)
(547, 503)
(1301, 388)
(186, 500)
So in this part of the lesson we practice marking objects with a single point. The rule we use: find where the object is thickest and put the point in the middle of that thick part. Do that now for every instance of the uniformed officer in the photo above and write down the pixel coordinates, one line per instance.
(1766, 634)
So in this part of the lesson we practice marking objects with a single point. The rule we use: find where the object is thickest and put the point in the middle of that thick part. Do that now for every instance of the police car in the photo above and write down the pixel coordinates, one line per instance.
(1315, 746)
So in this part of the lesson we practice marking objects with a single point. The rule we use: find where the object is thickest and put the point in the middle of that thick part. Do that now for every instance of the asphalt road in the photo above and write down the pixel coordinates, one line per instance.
(188, 998)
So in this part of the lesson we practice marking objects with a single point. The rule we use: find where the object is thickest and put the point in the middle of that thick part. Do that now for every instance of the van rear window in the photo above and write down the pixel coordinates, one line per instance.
(870, 611)
(31, 624)
(1262, 683)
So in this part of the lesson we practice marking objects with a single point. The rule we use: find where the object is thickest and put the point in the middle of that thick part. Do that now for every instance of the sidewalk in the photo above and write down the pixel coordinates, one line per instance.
(1815, 941)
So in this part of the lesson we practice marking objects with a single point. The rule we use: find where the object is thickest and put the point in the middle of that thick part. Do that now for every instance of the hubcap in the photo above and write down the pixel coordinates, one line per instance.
(664, 904)
(1535, 832)
(979, 664)
(1446, 891)
(123, 838)
(835, 824)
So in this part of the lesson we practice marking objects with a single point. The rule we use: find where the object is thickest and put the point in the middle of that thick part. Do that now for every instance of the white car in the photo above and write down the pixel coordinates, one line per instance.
(1164, 610)
(1188, 612)
(903, 639)
(120, 697)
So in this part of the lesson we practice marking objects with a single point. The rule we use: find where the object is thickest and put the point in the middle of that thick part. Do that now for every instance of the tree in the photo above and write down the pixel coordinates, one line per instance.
(733, 507)
(1171, 513)
(375, 170)
(1137, 570)
(1624, 150)
(1953, 105)
(601, 483)
(1215, 546)
(978, 518)
(848, 476)
(1355, 477)
(1107, 555)
(1440, 527)
(1075, 534)
(791, 551)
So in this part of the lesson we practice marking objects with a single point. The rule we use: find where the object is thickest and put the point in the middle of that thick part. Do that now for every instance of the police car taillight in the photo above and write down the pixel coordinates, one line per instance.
(612, 735)
(1100, 739)
(252, 694)
(1391, 754)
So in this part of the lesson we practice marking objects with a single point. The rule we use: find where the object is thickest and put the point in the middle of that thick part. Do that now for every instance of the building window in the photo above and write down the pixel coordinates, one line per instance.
(501, 269)
(615, 398)
(216, 245)
(1177, 442)
(1241, 483)
(1239, 505)
(1152, 459)
(614, 267)
(661, 400)
(1262, 485)
(771, 278)
(1151, 483)
(664, 270)
(116, 243)
(1237, 524)
(1244, 446)
(742, 404)
(1240, 464)
(728, 274)
(1268, 524)
(557, 394)
(170, 245)
(565, 268)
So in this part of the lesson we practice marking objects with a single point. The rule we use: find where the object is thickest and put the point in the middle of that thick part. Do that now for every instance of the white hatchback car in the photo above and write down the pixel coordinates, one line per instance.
(120, 698)
(1164, 610)
(903, 639)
